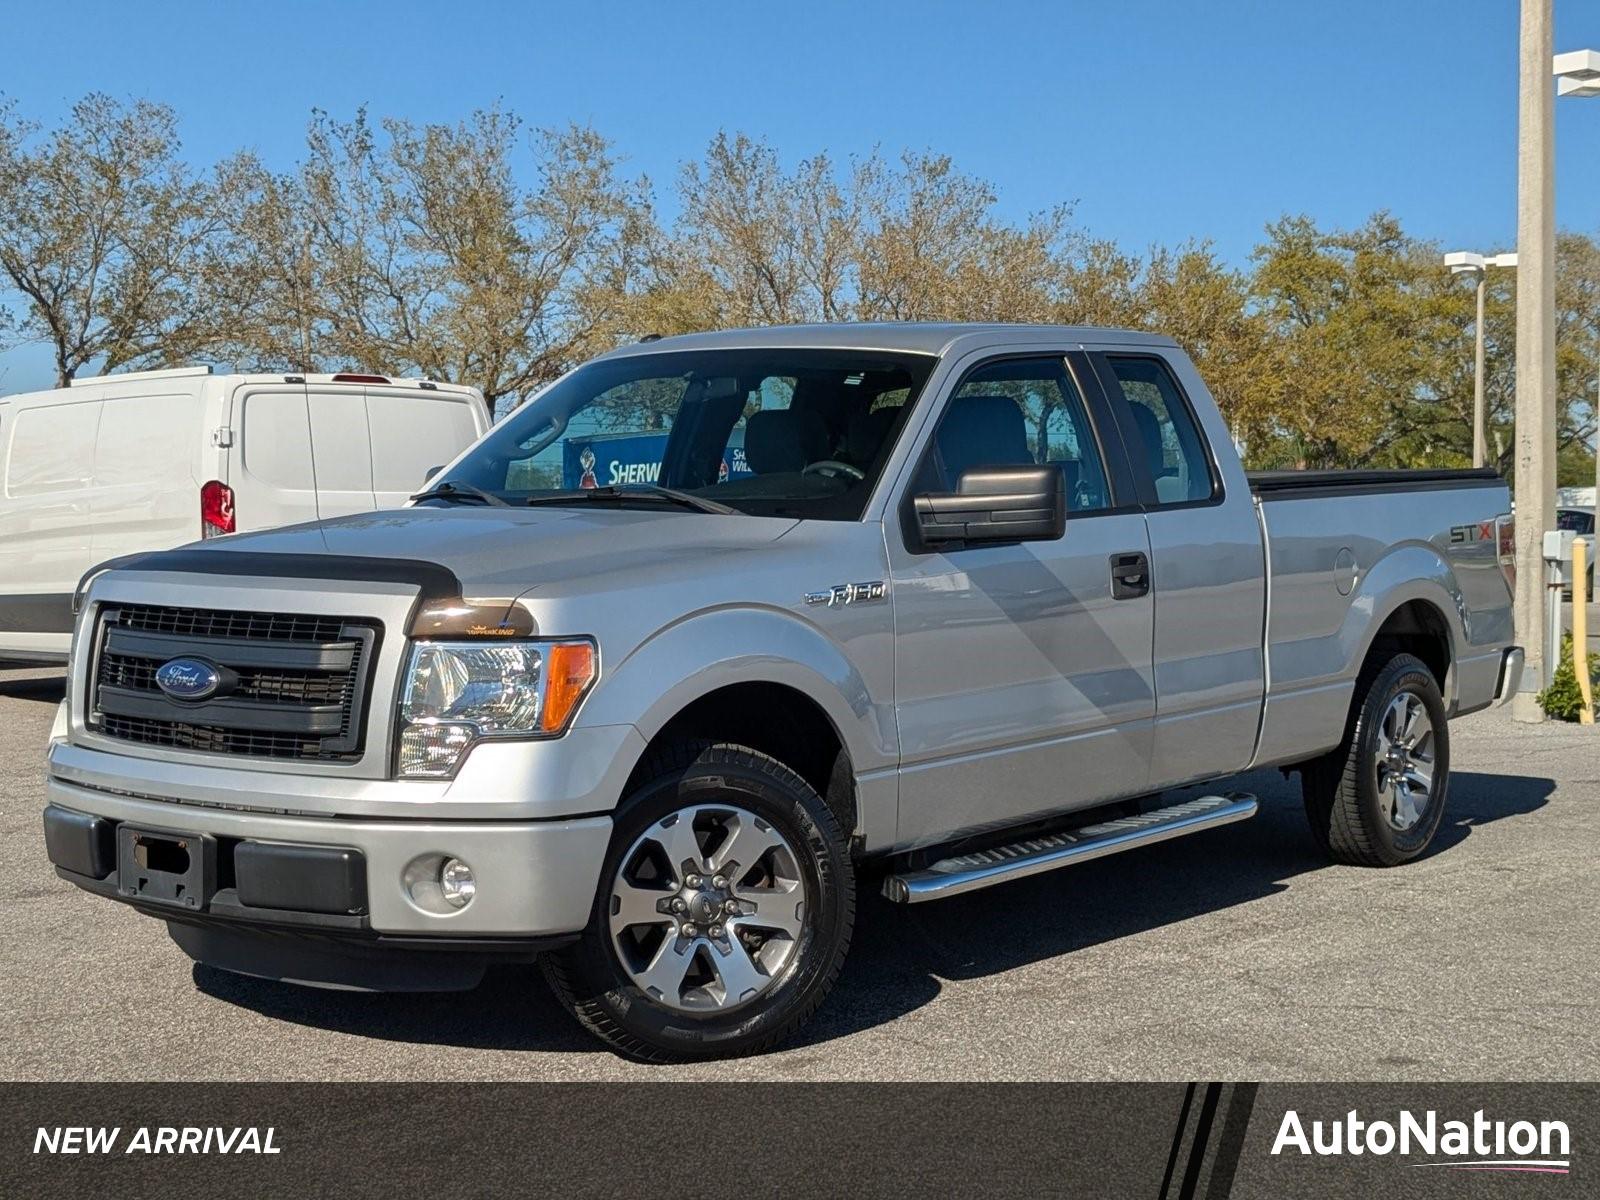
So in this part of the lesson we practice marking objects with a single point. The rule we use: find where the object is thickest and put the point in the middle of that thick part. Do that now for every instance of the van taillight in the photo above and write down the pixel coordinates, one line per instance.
(1505, 542)
(216, 509)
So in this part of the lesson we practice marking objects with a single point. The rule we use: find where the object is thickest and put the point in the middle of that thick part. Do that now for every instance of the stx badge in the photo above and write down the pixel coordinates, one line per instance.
(1483, 531)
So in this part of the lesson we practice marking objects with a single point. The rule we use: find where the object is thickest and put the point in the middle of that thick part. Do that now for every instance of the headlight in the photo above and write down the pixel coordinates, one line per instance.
(458, 693)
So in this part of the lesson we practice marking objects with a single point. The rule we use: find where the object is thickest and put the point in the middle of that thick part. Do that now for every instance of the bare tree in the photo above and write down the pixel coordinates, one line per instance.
(102, 233)
(934, 250)
(410, 247)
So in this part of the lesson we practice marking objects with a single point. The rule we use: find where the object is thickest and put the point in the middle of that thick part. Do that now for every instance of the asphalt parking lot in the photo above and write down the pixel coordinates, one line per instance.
(1235, 954)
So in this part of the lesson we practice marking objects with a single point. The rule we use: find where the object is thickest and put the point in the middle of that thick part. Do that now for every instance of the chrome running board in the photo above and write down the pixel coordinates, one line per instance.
(1000, 864)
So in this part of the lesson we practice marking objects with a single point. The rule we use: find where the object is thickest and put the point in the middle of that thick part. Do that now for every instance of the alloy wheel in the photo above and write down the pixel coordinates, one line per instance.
(1405, 761)
(707, 908)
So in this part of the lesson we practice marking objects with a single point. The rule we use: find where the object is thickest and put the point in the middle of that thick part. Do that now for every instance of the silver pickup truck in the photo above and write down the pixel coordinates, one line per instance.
(646, 679)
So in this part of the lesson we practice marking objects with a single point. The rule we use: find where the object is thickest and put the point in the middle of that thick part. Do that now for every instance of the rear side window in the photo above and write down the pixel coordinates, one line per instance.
(1163, 430)
(52, 448)
(411, 434)
(277, 440)
(146, 440)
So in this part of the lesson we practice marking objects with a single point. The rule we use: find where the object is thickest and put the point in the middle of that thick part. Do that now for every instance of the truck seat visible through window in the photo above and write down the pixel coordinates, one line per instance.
(982, 431)
(778, 439)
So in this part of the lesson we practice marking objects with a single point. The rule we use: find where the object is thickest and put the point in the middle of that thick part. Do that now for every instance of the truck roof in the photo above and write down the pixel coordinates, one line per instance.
(923, 337)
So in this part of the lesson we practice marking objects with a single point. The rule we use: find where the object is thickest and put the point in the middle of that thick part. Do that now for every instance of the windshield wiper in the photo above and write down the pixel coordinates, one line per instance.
(644, 491)
(460, 491)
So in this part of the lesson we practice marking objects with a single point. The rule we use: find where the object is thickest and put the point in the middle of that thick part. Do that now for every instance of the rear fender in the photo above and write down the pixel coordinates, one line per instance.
(1313, 681)
(1414, 571)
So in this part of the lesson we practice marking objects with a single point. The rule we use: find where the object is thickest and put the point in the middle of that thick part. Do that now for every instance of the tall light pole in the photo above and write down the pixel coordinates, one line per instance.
(1535, 484)
(1463, 262)
(1578, 74)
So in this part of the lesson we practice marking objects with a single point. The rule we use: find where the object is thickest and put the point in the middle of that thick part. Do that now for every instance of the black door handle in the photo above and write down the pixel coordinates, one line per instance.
(1130, 575)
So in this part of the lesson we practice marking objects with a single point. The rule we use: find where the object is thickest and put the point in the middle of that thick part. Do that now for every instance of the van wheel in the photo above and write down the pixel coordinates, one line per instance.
(1377, 799)
(723, 914)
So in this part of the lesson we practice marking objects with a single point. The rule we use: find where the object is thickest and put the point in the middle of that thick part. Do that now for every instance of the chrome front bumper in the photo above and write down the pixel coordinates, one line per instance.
(534, 878)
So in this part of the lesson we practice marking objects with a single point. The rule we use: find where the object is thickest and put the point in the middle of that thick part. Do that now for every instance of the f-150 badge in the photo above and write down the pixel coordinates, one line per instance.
(849, 593)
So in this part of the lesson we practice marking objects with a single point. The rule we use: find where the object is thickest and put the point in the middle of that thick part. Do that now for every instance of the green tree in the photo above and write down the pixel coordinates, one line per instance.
(1344, 309)
(1204, 304)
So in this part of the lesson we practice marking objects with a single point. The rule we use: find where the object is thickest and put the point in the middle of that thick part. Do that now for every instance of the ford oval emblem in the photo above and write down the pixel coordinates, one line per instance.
(188, 679)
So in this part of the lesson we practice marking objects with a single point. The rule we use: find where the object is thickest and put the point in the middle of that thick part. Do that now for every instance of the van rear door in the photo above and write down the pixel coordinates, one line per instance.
(340, 448)
(270, 468)
(413, 430)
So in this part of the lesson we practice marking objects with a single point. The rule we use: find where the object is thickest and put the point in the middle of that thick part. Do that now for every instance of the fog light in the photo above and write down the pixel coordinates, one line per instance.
(456, 882)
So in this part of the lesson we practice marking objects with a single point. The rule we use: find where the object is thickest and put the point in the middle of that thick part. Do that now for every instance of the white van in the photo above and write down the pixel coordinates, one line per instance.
(149, 460)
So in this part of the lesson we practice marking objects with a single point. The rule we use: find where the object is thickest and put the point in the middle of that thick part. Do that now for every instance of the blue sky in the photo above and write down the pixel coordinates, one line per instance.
(1159, 121)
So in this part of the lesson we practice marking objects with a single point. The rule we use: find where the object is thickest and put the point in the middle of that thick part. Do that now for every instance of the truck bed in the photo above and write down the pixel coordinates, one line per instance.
(1345, 550)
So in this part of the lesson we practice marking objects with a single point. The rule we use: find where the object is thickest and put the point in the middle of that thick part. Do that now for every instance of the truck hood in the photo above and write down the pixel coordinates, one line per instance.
(504, 553)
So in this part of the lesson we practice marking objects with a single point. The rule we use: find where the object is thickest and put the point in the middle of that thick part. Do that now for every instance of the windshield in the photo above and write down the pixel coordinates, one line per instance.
(787, 433)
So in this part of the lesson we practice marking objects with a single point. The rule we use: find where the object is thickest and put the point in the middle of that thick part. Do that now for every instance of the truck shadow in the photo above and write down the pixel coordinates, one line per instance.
(901, 956)
(26, 685)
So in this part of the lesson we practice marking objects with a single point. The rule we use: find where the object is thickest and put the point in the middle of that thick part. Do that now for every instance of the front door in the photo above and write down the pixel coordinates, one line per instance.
(1023, 676)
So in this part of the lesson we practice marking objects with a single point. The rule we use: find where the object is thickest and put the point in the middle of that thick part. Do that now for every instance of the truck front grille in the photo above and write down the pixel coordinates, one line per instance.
(210, 738)
(294, 686)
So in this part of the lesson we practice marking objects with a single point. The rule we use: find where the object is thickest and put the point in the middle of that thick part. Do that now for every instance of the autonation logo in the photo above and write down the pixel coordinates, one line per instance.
(1480, 1144)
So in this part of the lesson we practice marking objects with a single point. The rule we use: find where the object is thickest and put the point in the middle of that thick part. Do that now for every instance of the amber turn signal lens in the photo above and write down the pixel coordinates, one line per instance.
(570, 669)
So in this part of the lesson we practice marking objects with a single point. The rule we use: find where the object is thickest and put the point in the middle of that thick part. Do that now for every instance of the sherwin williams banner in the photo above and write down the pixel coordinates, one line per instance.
(1165, 1141)
(621, 459)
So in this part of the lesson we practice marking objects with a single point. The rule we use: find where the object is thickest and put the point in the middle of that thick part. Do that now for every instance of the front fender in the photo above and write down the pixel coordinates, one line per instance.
(851, 682)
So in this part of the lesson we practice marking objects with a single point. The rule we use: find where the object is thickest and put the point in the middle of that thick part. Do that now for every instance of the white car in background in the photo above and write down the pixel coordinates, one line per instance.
(1581, 522)
(119, 464)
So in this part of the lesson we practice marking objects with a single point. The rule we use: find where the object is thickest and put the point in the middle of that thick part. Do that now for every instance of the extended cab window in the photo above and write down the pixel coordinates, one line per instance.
(1018, 412)
(792, 433)
(1166, 433)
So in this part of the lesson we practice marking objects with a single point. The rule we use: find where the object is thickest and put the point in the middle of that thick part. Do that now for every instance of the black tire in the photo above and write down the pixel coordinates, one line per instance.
(592, 981)
(1341, 790)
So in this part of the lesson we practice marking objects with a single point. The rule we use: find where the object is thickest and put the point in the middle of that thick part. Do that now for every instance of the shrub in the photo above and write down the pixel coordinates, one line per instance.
(1562, 699)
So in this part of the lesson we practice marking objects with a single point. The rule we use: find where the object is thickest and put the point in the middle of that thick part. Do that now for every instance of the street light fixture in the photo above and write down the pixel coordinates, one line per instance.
(1577, 73)
(1463, 262)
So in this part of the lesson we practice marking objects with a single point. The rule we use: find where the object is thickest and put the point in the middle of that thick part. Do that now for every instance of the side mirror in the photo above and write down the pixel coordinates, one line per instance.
(996, 504)
(431, 474)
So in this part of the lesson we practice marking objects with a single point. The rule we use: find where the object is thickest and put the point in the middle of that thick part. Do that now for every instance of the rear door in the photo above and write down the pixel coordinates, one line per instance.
(270, 468)
(1207, 568)
(341, 451)
(411, 431)
(1023, 675)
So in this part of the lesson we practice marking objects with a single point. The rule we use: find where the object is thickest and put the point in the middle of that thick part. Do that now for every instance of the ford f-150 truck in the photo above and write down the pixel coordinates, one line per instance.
(974, 599)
